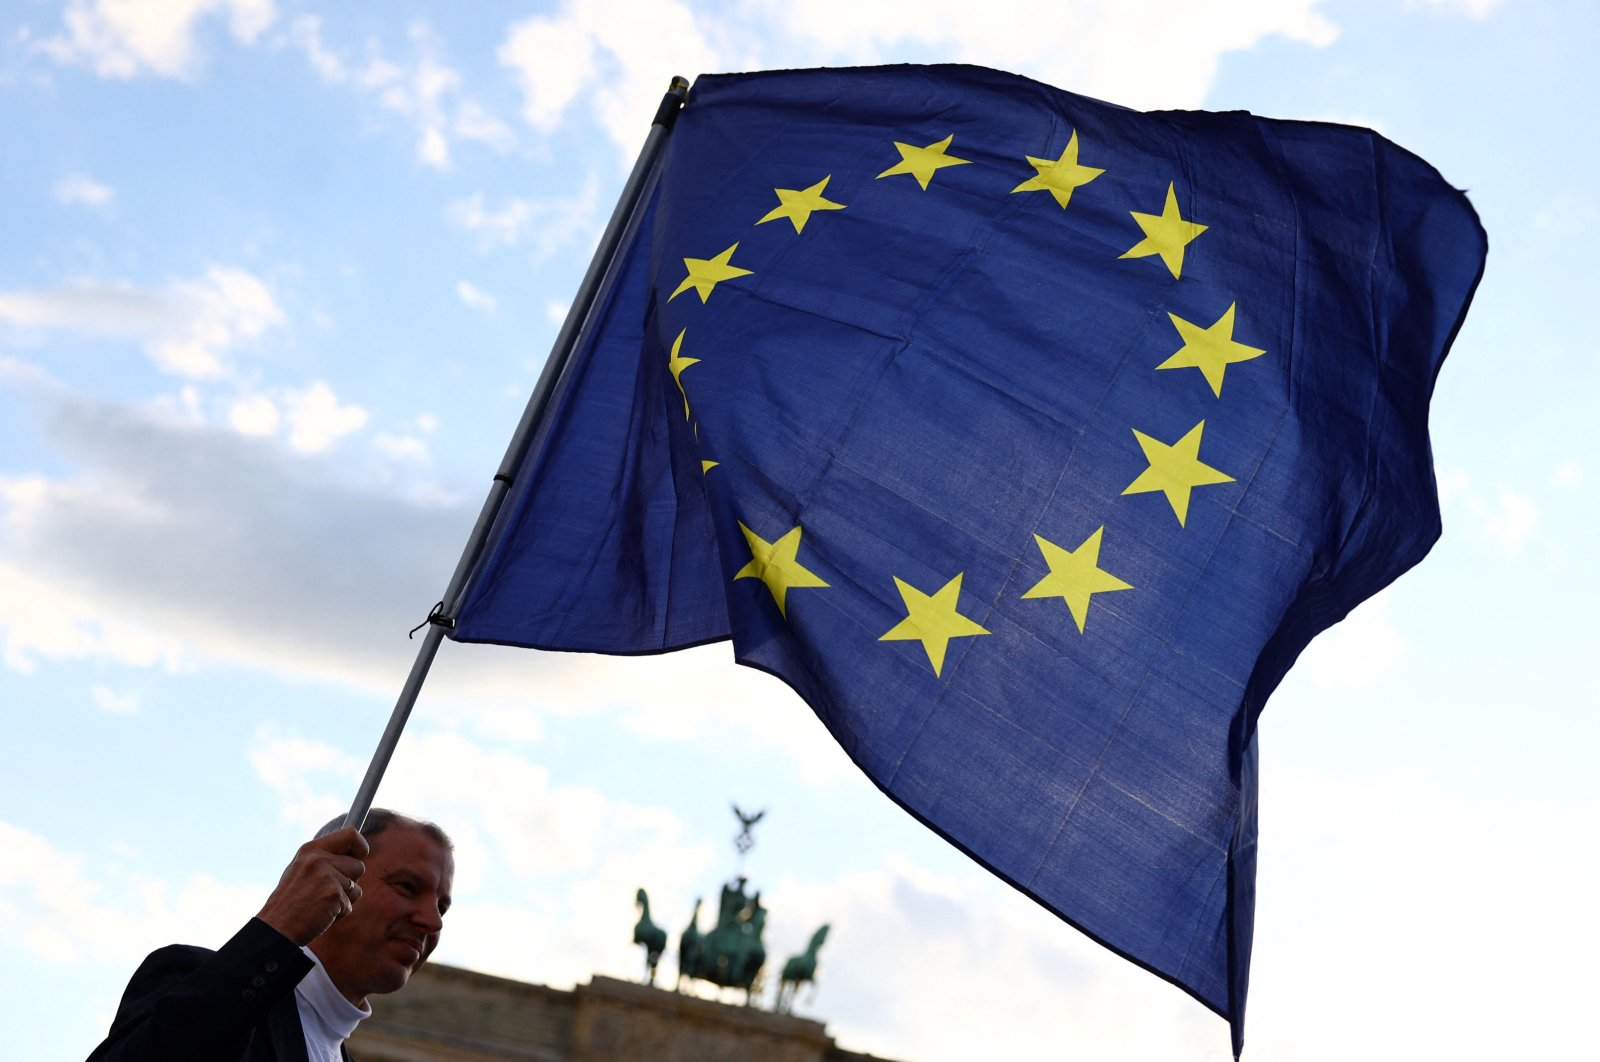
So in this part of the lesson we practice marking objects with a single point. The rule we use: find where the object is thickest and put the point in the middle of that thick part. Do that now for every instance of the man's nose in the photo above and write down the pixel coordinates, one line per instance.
(426, 915)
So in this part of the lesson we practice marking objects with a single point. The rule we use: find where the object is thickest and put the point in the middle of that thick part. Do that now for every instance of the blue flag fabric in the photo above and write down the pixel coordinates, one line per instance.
(1028, 438)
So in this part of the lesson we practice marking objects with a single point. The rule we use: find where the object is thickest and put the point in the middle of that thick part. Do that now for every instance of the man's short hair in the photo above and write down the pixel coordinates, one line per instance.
(381, 819)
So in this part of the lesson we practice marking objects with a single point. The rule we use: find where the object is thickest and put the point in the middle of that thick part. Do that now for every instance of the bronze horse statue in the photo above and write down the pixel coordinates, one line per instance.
(652, 936)
(732, 954)
(689, 945)
(799, 970)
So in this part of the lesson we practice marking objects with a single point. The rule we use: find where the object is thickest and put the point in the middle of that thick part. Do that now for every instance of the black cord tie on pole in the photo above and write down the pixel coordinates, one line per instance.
(435, 617)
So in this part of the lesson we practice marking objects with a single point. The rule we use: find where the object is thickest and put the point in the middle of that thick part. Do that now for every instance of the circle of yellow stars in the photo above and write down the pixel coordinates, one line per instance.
(1173, 469)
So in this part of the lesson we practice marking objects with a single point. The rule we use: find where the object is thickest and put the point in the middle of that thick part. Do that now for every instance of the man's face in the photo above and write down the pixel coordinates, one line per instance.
(395, 924)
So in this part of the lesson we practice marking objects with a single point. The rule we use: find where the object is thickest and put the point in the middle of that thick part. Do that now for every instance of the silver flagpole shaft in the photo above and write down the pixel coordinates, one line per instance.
(532, 414)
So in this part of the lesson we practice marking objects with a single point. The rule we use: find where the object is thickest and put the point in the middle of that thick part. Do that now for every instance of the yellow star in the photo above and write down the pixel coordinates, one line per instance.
(933, 621)
(707, 466)
(707, 273)
(1075, 575)
(775, 564)
(1211, 350)
(1059, 176)
(677, 364)
(923, 162)
(798, 206)
(1175, 470)
(1166, 234)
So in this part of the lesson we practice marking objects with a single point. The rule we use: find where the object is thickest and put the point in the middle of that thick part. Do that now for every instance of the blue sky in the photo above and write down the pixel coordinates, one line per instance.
(275, 281)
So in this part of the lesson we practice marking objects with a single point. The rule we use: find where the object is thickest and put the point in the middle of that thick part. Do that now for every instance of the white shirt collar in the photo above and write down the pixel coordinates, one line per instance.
(326, 1016)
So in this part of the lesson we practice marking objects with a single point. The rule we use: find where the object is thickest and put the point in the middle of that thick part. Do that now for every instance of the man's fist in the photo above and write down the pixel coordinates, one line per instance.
(318, 887)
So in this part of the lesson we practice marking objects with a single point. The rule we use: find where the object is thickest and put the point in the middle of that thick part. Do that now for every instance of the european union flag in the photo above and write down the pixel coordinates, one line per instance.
(1029, 438)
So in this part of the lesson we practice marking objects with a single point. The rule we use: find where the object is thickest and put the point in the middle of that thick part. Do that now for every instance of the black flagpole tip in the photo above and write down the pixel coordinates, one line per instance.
(672, 102)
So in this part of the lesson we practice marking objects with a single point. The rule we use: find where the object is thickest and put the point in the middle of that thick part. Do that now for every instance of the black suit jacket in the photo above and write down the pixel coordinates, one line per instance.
(236, 1004)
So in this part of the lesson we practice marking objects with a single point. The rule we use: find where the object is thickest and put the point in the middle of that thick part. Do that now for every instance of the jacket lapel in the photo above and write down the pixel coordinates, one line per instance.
(286, 1039)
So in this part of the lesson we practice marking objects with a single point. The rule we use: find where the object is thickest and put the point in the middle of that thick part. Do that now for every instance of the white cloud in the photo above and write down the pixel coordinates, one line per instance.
(24, 497)
(536, 831)
(472, 121)
(1568, 215)
(475, 297)
(228, 307)
(308, 777)
(254, 415)
(183, 543)
(617, 56)
(62, 916)
(963, 943)
(1453, 484)
(551, 58)
(179, 543)
(1356, 653)
(109, 700)
(614, 58)
(549, 224)
(248, 19)
(1381, 875)
(1083, 48)
(402, 447)
(187, 329)
(694, 702)
(1568, 474)
(1510, 520)
(43, 618)
(418, 93)
(504, 225)
(80, 190)
(187, 406)
(311, 419)
(305, 32)
(574, 853)
(426, 494)
(433, 148)
(1473, 9)
(127, 38)
(1507, 520)
(698, 696)
(317, 418)
(112, 310)
(423, 91)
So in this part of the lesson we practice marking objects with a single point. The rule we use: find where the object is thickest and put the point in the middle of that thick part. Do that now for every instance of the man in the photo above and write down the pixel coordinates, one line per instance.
(354, 915)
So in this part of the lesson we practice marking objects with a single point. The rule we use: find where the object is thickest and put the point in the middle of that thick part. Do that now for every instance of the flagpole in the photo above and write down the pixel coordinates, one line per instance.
(443, 615)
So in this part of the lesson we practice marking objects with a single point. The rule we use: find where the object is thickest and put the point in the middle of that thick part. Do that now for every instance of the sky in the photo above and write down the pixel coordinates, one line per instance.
(276, 279)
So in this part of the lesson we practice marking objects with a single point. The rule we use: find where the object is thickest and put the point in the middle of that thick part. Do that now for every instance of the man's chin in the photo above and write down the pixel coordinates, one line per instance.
(404, 959)
(392, 979)
(408, 954)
